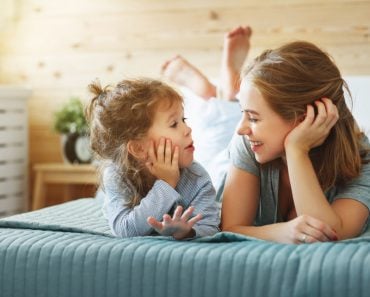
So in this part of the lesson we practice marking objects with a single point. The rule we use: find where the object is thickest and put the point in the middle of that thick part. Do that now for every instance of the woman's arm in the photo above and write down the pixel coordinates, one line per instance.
(240, 204)
(353, 215)
(239, 207)
(345, 216)
(240, 199)
(309, 198)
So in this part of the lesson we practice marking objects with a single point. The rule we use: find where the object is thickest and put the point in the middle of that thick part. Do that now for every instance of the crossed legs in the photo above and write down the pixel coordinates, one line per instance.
(235, 50)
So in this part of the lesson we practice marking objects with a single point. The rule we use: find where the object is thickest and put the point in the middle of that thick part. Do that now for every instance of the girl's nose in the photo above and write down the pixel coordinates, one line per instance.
(187, 130)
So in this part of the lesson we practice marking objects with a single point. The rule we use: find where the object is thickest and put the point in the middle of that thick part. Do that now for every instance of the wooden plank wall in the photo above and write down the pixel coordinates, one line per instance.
(57, 47)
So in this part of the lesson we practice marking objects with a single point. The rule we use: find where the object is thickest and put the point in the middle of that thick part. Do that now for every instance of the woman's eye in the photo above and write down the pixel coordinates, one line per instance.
(174, 125)
(252, 120)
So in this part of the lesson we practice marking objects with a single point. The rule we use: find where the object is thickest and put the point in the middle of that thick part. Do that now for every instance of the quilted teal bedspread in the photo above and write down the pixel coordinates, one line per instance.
(67, 250)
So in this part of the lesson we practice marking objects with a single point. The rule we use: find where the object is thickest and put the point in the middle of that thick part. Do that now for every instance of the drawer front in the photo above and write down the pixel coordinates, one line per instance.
(13, 156)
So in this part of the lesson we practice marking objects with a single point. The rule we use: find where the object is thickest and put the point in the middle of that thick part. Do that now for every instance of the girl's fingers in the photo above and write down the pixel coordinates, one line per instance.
(151, 156)
(187, 213)
(175, 157)
(168, 152)
(177, 213)
(154, 223)
(151, 153)
(167, 220)
(169, 227)
(195, 219)
(161, 150)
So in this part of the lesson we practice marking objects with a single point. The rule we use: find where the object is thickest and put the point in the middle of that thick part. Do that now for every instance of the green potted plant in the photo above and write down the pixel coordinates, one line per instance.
(71, 123)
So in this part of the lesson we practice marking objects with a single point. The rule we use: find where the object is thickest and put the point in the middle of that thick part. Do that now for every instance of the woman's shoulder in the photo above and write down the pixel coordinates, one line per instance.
(239, 148)
(365, 146)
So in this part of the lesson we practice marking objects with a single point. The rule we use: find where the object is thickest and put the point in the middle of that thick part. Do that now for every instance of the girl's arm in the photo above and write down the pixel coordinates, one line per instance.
(129, 222)
(345, 216)
(180, 226)
(204, 203)
(198, 196)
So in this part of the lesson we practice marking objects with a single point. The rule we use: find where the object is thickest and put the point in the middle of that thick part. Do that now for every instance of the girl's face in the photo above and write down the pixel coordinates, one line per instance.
(169, 123)
(262, 127)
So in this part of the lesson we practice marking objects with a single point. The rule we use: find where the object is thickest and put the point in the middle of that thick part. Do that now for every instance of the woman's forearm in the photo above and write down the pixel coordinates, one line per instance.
(266, 232)
(307, 194)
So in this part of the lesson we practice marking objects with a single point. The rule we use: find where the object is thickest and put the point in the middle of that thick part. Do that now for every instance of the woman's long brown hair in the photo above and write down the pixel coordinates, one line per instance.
(297, 74)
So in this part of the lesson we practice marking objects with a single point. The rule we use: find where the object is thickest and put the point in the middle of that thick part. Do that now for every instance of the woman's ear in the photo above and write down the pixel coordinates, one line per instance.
(137, 149)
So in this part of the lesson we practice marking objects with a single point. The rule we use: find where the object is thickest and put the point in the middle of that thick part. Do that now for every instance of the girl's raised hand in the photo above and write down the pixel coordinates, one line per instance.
(306, 229)
(313, 130)
(162, 163)
(180, 226)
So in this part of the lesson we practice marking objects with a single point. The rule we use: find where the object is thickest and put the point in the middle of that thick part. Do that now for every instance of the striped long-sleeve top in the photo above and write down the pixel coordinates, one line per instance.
(193, 189)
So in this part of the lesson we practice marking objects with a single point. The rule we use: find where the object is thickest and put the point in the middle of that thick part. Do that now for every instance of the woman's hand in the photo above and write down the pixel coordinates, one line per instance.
(180, 226)
(313, 130)
(306, 229)
(163, 164)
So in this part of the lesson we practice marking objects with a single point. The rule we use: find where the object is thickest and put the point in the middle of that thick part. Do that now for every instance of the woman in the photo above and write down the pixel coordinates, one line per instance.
(300, 171)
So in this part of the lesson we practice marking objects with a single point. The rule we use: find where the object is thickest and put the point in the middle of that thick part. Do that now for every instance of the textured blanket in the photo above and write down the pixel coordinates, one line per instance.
(67, 250)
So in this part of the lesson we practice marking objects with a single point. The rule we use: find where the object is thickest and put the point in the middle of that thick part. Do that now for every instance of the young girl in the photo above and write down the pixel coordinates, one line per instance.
(300, 166)
(138, 128)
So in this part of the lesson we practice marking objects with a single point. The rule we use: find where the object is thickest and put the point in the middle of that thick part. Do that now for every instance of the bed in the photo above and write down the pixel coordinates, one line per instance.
(67, 250)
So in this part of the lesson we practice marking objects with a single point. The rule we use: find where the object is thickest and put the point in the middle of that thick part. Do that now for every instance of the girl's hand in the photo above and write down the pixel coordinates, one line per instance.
(163, 164)
(313, 130)
(180, 226)
(306, 229)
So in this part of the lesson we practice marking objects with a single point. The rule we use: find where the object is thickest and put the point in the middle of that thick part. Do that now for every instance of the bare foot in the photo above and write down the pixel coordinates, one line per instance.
(181, 72)
(236, 48)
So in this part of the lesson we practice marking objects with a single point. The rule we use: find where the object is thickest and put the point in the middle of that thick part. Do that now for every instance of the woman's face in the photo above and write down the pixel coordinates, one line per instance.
(261, 126)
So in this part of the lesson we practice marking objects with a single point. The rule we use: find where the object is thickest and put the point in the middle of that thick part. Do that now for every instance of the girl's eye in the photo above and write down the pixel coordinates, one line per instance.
(175, 123)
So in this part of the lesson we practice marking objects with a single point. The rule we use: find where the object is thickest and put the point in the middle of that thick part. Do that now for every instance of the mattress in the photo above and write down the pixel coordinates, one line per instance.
(67, 250)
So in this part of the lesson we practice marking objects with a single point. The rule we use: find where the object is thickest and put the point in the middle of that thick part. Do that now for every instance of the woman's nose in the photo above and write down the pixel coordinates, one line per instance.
(243, 128)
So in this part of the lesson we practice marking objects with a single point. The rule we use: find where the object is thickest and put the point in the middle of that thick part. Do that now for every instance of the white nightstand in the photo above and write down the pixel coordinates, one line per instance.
(13, 150)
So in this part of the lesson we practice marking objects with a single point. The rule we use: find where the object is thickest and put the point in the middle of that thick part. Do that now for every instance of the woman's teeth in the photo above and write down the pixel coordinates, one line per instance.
(255, 142)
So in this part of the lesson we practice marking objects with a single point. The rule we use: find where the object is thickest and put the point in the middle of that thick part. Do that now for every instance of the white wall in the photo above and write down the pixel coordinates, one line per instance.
(360, 89)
